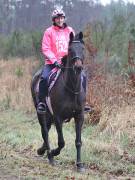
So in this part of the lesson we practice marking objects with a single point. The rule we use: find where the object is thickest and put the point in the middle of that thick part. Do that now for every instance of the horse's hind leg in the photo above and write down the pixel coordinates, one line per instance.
(45, 124)
(61, 142)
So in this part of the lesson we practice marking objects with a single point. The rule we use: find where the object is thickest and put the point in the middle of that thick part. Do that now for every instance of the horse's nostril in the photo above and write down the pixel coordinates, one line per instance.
(78, 68)
(78, 63)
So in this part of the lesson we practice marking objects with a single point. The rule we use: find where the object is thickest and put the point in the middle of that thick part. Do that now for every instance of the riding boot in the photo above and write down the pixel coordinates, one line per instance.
(87, 108)
(41, 107)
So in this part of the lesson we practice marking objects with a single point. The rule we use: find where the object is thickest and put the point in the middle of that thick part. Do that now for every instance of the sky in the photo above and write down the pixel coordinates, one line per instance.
(104, 2)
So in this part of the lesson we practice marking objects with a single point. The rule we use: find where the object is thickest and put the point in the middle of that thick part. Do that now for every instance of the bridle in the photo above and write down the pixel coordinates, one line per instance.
(73, 68)
(75, 57)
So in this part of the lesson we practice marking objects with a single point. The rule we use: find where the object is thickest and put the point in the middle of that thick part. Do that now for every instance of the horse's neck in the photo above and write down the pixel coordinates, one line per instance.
(72, 80)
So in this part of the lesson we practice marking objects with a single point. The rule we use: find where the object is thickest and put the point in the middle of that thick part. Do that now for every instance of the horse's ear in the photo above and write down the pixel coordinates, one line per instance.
(71, 36)
(80, 35)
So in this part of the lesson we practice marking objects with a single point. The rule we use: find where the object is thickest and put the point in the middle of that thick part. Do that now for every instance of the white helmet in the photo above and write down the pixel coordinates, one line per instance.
(57, 13)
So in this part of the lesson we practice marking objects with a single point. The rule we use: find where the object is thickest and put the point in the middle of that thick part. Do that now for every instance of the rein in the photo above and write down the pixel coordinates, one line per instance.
(68, 88)
(73, 68)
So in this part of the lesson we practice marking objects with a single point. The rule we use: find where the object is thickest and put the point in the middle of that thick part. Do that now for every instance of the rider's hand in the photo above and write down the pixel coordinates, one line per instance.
(57, 64)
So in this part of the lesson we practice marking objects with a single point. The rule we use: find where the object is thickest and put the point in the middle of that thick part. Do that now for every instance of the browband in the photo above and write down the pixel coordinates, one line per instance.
(75, 41)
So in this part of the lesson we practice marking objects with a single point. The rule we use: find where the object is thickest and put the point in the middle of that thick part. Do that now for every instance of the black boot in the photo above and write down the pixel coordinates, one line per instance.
(87, 108)
(41, 107)
(84, 81)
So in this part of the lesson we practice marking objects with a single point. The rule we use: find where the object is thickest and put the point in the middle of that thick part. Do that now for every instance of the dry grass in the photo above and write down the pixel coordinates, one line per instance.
(111, 96)
(108, 148)
(118, 122)
(113, 100)
(15, 77)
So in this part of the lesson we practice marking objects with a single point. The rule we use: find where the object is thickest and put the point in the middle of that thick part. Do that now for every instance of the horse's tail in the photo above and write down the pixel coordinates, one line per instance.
(34, 83)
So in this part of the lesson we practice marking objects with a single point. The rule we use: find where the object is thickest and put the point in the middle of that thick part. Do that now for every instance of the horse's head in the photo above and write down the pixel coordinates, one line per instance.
(76, 51)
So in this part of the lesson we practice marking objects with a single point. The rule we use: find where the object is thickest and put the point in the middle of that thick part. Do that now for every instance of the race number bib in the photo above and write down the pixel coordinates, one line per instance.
(62, 45)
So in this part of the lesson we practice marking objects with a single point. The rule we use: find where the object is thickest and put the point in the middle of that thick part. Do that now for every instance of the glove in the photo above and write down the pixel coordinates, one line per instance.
(57, 64)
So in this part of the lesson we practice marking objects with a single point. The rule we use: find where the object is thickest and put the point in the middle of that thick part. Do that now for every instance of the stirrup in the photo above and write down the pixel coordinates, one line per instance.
(41, 108)
(87, 108)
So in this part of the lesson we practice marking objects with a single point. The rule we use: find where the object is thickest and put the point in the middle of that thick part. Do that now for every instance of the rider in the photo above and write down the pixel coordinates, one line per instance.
(54, 47)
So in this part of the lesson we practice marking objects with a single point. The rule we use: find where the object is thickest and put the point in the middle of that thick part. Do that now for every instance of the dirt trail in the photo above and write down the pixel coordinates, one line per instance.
(25, 164)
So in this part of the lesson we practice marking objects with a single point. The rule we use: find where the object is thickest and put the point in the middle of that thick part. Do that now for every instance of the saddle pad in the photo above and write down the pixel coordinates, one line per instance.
(53, 77)
(48, 103)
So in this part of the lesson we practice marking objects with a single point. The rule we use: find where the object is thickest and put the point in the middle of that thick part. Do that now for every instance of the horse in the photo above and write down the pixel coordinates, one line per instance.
(67, 99)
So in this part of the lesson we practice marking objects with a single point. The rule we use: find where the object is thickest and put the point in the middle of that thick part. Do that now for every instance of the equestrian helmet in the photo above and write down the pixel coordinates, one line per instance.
(57, 13)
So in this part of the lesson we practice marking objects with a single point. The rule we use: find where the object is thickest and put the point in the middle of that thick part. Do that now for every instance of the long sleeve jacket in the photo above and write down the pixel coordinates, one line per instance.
(55, 43)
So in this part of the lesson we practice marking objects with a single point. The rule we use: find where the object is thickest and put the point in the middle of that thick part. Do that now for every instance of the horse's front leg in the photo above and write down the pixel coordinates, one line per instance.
(78, 126)
(45, 124)
(61, 143)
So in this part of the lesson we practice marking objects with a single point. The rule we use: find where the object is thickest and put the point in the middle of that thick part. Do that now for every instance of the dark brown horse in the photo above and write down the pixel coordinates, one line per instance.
(67, 99)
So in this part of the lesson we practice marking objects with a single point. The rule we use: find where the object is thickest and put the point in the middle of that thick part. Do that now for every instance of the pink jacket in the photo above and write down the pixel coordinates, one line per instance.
(55, 43)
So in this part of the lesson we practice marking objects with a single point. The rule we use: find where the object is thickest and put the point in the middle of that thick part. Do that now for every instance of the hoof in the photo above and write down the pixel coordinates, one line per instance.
(80, 168)
(52, 162)
(41, 151)
(51, 159)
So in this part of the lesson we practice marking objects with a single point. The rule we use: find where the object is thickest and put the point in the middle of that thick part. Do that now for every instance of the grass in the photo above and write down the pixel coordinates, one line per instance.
(20, 137)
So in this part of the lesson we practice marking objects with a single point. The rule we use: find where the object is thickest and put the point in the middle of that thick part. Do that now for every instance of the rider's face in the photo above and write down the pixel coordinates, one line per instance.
(59, 21)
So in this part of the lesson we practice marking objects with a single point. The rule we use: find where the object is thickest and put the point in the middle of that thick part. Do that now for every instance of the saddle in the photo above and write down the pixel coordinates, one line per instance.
(53, 78)
(51, 81)
(54, 74)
